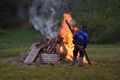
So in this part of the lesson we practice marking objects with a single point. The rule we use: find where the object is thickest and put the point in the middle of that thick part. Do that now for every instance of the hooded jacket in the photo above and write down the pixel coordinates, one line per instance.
(80, 37)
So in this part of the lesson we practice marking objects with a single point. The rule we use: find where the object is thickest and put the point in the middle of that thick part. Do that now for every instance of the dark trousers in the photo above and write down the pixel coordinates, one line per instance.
(78, 49)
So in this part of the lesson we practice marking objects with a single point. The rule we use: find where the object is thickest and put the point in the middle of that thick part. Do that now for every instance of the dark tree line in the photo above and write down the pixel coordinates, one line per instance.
(13, 12)
(8, 10)
(101, 16)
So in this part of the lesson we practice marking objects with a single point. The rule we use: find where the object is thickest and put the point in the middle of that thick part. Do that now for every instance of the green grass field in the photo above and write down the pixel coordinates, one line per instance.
(105, 60)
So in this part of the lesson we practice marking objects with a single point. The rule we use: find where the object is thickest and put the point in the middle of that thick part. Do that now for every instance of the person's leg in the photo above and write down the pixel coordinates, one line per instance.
(80, 62)
(75, 53)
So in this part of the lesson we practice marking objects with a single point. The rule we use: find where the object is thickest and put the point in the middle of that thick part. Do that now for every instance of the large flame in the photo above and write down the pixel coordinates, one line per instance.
(68, 36)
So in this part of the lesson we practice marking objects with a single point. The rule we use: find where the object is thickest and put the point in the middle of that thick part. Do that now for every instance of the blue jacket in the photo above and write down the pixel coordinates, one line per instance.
(80, 38)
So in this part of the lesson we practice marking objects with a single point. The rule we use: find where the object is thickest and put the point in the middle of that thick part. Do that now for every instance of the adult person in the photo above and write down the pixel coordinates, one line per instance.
(80, 40)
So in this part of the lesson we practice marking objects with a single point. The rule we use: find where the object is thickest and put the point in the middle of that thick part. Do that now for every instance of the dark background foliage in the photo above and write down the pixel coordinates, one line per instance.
(101, 16)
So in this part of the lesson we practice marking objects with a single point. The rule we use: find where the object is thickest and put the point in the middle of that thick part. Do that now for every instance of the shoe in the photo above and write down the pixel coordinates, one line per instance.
(74, 61)
(73, 64)
(80, 62)
(81, 65)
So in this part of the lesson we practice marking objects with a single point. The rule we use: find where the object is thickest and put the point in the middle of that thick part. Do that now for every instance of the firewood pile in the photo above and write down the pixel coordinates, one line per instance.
(46, 51)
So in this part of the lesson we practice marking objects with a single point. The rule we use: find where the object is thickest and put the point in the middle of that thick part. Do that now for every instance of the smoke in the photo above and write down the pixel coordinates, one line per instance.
(45, 15)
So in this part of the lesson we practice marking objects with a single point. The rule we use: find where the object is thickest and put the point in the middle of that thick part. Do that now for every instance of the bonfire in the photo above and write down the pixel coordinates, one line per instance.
(55, 50)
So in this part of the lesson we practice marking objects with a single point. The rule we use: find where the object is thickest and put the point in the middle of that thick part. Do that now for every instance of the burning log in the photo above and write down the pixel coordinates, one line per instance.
(52, 48)
(46, 51)
(69, 27)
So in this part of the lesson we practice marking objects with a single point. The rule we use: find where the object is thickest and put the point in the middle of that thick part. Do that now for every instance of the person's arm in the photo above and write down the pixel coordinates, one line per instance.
(86, 39)
(74, 37)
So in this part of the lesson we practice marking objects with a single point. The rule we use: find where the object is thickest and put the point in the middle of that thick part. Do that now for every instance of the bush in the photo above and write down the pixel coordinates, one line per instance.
(102, 18)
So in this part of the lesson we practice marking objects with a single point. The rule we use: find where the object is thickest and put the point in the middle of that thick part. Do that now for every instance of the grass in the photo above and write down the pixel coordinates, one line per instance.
(15, 41)
(105, 59)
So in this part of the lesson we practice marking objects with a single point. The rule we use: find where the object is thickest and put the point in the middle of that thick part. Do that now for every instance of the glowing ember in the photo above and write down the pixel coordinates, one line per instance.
(61, 49)
(68, 36)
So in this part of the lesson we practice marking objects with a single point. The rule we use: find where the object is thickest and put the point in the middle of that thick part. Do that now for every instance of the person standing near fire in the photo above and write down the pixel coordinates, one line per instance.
(80, 40)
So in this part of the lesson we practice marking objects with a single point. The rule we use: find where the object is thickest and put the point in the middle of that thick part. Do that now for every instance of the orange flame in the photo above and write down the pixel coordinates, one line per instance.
(84, 60)
(68, 36)
(61, 49)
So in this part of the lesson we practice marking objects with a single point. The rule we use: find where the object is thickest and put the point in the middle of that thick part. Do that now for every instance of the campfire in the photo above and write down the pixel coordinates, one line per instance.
(57, 49)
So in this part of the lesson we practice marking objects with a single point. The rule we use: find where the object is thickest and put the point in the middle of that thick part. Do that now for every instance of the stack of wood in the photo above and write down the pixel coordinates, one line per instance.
(46, 51)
